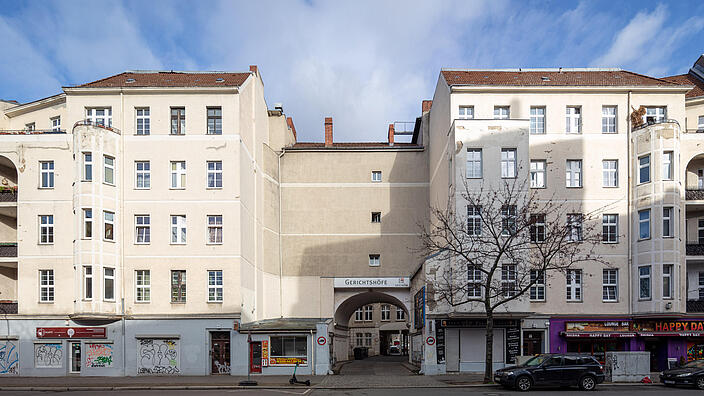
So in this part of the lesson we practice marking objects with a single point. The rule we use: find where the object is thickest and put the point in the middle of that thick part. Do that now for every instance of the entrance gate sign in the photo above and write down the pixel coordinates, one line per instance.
(71, 332)
(351, 283)
(322, 340)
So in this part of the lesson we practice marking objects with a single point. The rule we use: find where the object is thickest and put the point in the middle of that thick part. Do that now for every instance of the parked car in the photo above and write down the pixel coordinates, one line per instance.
(553, 370)
(394, 350)
(691, 373)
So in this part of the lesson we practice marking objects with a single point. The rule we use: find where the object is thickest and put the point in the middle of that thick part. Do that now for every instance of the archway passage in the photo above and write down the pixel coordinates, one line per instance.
(8, 236)
(371, 332)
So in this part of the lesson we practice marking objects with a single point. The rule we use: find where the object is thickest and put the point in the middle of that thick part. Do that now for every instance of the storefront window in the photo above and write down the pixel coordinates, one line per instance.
(288, 346)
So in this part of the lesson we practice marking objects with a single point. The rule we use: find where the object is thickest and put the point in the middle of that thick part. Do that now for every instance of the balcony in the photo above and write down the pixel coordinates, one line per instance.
(8, 307)
(695, 249)
(8, 194)
(694, 195)
(695, 305)
(698, 130)
(8, 249)
(31, 131)
(96, 124)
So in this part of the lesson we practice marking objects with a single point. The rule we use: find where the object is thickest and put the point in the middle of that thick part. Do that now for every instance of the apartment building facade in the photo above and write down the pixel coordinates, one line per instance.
(380, 329)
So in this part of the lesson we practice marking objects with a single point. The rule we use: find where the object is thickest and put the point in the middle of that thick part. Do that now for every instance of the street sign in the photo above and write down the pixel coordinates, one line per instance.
(322, 340)
(71, 332)
(430, 340)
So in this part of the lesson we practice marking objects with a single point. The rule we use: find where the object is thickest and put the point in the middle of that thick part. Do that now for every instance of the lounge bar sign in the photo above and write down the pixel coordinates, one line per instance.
(71, 332)
(351, 283)
(670, 327)
(607, 329)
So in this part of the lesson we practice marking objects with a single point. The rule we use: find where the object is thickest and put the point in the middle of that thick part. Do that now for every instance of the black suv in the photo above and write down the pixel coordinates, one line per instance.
(553, 370)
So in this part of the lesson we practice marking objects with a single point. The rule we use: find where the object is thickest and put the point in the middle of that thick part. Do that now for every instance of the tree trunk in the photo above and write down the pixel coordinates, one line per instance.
(488, 359)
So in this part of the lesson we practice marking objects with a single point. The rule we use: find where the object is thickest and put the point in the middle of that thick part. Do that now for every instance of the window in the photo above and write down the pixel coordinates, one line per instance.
(608, 119)
(466, 112)
(700, 124)
(142, 225)
(644, 224)
(87, 282)
(701, 286)
(385, 312)
(508, 280)
(508, 163)
(178, 286)
(99, 116)
(667, 228)
(368, 309)
(360, 339)
(574, 223)
(289, 346)
(359, 315)
(537, 291)
(474, 220)
(46, 285)
(368, 339)
(87, 223)
(30, 127)
(654, 115)
(55, 124)
(214, 175)
(46, 179)
(109, 226)
(109, 283)
(109, 174)
(573, 119)
(502, 112)
(87, 166)
(143, 124)
(46, 229)
(178, 174)
(178, 229)
(574, 285)
(574, 173)
(400, 314)
(214, 121)
(474, 281)
(178, 120)
(374, 260)
(609, 228)
(376, 176)
(537, 228)
(644, 282)
(508, 219)
(143, 175)
(376, 217)
(537, 174)
(474, 163)
(144, 285)
(609, 285)
(215, 229)
(700, 231)
(667, 165)
(644, 169)
(215, 286)
(537, 120)
(610, 173)
(667, 281)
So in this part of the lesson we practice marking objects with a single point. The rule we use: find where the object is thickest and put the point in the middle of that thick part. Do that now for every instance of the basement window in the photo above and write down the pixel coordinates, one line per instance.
(376, 217)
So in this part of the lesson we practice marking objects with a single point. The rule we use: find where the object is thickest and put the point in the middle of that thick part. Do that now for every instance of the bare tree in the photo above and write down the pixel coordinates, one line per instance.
(506, 240)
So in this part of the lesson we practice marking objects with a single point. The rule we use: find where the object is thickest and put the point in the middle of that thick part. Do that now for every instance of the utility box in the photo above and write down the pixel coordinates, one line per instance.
(627, 366)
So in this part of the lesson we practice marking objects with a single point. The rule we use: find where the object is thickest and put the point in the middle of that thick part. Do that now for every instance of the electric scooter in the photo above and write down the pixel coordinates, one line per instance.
(294, 380)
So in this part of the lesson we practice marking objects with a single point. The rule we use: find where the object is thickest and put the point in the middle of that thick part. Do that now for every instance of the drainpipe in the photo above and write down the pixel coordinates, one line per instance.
(630, 220)
(122, 245)
(312, 352)
(281, 259)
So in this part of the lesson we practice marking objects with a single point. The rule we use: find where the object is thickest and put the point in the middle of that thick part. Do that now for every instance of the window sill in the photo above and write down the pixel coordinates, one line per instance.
(537, 301)
(573, 186)
(574, 301)
(643, 239)
(213, 188)
(609, 243)
(109, 240)
(645, 299)
(178, 243)
(177, 134)
(609, 186)
(177, 188)
(141, 134)
(45, 243)
(142, 302)
(143, 243)
(109, 184)
(538, 188)
(214, 302)
(86, 180)
(609, 301)
(45, 302)
(668, 237)
(109, 301)
(214, 244)
(214, 134)
(178, 302)
(642, 183)
(142, 188)
(45, 188)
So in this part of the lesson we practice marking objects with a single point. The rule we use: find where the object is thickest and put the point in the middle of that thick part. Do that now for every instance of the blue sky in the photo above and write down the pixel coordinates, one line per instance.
(366, 63)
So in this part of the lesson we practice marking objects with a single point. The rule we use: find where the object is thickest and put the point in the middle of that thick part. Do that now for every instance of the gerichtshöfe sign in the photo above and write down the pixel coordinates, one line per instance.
(350, 283)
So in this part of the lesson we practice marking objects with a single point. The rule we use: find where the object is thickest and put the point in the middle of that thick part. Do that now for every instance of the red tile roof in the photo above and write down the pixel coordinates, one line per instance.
(169, 79)
(689, 79)
(351, 145)
(552, 77)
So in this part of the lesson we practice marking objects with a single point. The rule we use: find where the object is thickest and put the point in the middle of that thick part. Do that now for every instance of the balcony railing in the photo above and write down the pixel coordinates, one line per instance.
(695, 249)
(695, 305)
(652, 122)
(697, 130)
(96, 124)
(694, 195)
(31, 132)
(8, 249)
(8, 307)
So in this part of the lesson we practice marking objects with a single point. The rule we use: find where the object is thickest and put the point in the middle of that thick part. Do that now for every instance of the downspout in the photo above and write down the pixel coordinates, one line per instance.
(312, 353)
(122, 245)
(281, 259)
(630, 220)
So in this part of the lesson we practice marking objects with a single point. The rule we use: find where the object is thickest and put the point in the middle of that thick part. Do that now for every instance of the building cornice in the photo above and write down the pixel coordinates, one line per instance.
(37, 104)
(590, 89)
(149, 90)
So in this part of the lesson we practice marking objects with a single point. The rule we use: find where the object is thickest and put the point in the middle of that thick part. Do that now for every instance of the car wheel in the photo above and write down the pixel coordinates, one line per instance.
(524, 383)
(700, 382)
(587, 383)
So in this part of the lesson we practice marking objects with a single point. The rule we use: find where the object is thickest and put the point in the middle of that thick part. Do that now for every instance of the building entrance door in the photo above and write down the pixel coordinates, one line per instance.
(75, 356)
(220, 352)
(255, 357)
(532, 343)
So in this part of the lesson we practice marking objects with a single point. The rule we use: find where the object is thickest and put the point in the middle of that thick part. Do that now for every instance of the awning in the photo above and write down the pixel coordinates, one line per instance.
(282, 325)
(670, 334)
(612, 334)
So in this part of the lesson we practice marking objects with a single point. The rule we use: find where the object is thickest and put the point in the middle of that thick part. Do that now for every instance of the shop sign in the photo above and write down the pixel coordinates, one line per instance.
(287, 361)
(477, 323)
(346, 283)
(419, 309)
(672, 326)
(616, 325)
(513, 340)
(599, 335)
(440, 343)
(71, 332)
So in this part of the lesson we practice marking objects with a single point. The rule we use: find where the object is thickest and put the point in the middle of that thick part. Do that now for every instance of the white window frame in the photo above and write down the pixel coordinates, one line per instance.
(109, 169)
(178, 175)
(215, 229)
(143, 176)
(538, 174)
(700, 122)
(668, 222)
(474, 220)
(609, 119)
(573, 119)
(609, 224)
(179, 229)
(215, 286)
(400, 314)
(385, 312)
(575, 224)
(46, 229)
(142, 114)
(538, 228)
(645, 277)
(143, 282)
(655, 114)
(609, 170)
(87, 223)
(502, 112)
(667, 165)
(574, 285)
(509, 280)
(644, 164)
(30, 127)
(109, 278)
(474, 282)
(644, 221)
(46, 174)
(87, 166)
(374, 260)
(142, 229)
(474, 161)
(47, 291)
(359, 315)
(359, 339)
(466, 112)
(215, 117)
(108, 220)
(368, 313)
(668, 281)
(213, 169)
(55, 123)
(87, 280)
(376, 217)
(94, 119)
(508, 219)
(538, 288)
(376, 176)
(609, 282)
(509, 157)
(537, 120)
(573, 172)
(180, 121)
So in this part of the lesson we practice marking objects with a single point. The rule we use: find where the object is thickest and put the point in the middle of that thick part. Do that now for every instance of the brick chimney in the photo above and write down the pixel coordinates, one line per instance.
(328, 131)
(289, 122)
(391, 134)
(427, 104)
(254, 69)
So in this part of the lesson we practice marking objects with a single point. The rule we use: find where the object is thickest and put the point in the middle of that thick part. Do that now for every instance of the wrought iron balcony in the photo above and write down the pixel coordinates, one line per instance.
(8, 194)
(8, 249)
(8, 307)
(694, 195)
(695, 305)
(695, 249)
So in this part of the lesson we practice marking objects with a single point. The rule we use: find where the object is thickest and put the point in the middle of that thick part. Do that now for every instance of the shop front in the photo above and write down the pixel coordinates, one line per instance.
(670, 341)
(592, 336)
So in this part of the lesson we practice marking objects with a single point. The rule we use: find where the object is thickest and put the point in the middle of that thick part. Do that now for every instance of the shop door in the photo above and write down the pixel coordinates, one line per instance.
(452, 350)
(653, 346)
(75, 356)
(255, 357)
(220, 352)
(532, 343)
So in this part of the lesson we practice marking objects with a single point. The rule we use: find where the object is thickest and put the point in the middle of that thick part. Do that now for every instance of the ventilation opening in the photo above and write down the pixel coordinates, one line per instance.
(219, 80)
(130, 80)
(545, 78)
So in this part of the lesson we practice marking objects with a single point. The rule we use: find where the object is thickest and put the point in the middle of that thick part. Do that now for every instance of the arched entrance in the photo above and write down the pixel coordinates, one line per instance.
(8, 236)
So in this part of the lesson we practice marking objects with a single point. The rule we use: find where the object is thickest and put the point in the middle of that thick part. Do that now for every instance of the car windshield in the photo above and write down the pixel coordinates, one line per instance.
(695, 364)
(537, 360)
